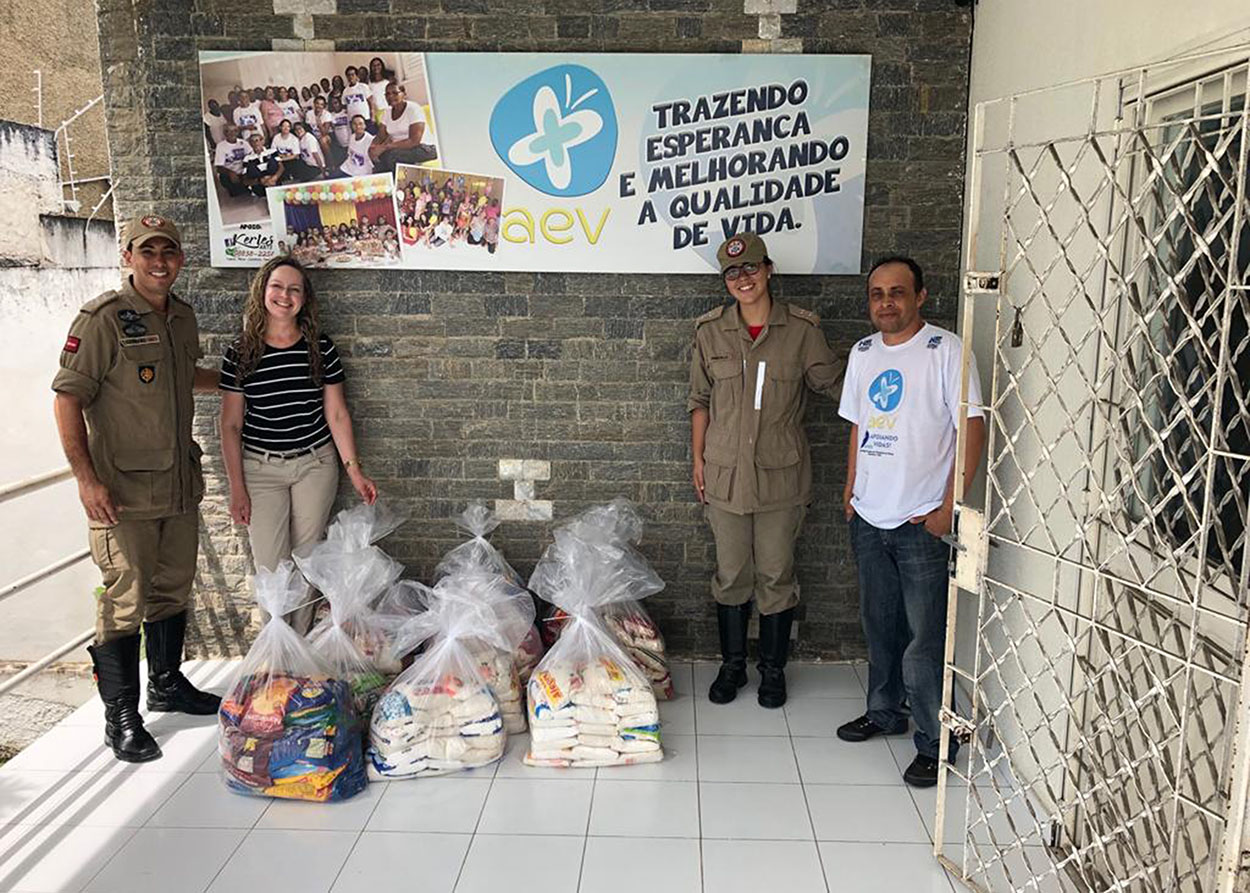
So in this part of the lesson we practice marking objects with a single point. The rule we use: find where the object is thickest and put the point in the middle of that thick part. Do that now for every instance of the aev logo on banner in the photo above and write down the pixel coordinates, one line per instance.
(557, 130)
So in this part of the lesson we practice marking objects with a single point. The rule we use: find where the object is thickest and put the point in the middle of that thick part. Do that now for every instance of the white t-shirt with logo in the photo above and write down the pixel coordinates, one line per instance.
(358, 162)
(290, 110)
(248, 118)
(231, 155)
(216, 126)
(285, 145)
(905, 400)
(310, 151)
(320, 124)
(356, 98)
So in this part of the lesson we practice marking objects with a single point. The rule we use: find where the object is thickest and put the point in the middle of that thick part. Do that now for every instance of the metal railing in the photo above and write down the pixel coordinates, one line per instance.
(13, 491)
(71, 178)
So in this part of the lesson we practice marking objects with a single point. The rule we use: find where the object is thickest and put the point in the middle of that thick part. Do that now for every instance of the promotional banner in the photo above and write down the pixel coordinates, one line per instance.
(534, 161)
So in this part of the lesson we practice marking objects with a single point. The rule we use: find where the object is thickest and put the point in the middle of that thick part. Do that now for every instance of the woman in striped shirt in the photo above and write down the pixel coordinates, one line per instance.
(284, 420)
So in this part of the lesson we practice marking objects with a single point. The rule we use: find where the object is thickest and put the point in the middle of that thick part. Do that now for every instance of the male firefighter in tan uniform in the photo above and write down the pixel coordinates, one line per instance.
(123, 408)
(752, 366)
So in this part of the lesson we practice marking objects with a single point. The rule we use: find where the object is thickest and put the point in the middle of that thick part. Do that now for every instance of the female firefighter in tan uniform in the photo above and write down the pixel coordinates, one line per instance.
(751, 367)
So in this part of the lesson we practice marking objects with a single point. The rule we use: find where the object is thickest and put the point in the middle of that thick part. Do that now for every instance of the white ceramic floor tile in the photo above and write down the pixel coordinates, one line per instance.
(749, 866)
(164, 859)
(988, 811)
(741, 716)
(537, 806)
(855, 867)
(680, 763)
(677, 716)
(683, 677)
(823, 681)
(55, 858)
(497, 862)
(672, 865)
(512, 765)
(430, 804)
(22, 792)
(321, 855)
(102, 798)
(1023, 868)
(66, 749)
(861, 670)
(645, 809)
(834, 761)
(371, 867)
(204, 802)
(743, 758)
(820, 717)
(344, 815)
(864, 813)
(753, 811)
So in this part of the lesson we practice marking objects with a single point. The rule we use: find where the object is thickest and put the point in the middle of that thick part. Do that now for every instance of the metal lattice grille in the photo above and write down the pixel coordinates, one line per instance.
(1111, 617)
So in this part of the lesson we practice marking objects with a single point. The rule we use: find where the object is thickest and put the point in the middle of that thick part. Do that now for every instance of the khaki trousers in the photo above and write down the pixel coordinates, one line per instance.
(755, 554)
(148, 568)
(291, 502)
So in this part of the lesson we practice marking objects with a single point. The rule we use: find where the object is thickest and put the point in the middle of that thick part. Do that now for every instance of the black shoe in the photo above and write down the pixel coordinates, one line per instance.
(168, 690)
(864, 728)
(732, 623)
(774, 649)
(117, 677)
(922, 773)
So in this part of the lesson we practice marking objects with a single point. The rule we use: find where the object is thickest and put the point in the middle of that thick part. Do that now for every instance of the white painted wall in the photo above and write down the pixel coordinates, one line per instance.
(1020, 46)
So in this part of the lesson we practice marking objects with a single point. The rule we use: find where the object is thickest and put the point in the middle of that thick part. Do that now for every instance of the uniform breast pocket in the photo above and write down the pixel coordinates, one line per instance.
(726, 375)
(144, 366)
(782, 391)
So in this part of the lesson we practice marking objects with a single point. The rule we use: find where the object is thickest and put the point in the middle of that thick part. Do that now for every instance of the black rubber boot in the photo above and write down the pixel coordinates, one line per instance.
(117, 677)
(774, 649)
(168, 690)
(732, 621)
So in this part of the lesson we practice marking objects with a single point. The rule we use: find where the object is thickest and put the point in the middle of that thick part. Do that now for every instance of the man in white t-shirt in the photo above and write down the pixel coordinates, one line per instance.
(228, 161)
(356, 97)
(215, 122)
(902, 398)
(249, 119)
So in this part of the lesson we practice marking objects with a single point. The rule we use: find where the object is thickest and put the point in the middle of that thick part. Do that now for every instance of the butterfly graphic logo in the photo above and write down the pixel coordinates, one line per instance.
(886, 390)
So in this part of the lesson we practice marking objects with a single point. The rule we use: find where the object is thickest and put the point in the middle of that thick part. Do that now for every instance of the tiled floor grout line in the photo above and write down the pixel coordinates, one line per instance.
(359, 834)
(811, 823)
(698, 782)
(478, 824)
(242, 840)
(590, 812)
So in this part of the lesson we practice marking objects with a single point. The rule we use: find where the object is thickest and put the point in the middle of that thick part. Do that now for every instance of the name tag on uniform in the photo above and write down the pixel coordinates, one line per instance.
(759, 384)
(141, 339)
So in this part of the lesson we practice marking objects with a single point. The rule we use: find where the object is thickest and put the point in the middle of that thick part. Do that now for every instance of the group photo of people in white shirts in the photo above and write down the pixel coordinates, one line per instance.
(275, 119)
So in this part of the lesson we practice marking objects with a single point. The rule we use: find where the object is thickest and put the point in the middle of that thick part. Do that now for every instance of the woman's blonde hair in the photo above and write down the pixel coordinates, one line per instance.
(250, 345)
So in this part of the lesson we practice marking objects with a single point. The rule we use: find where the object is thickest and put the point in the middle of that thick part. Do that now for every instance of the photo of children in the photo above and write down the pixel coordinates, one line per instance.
(442, 211)
(275, 119)
(338, 223)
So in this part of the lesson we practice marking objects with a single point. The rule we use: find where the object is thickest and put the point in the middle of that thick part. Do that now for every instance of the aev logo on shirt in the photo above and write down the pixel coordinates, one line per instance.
(557, 130)
(885, 394)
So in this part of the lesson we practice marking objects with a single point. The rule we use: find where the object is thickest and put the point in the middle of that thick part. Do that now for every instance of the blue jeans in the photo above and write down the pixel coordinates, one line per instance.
(903, 576)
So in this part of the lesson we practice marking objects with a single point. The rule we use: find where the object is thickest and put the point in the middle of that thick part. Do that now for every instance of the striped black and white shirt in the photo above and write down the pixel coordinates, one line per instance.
(283, 410)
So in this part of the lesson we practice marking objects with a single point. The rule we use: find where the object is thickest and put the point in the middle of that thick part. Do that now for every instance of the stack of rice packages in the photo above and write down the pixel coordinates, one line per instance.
(352, 573)
(589, 705)
(478, 556)
(288, 725)
(619, 523)
(440, 715)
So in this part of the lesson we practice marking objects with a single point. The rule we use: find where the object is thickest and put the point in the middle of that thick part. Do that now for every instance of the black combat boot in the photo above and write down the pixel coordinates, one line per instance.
(117, 677)
(168, 690)
(774, 649)
(732, 620)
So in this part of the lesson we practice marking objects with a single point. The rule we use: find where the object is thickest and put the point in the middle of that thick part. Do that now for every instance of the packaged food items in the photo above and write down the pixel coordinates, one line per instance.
(287, 727)
(589, 704)
(439, 715)
(352, 574)
(619, 523)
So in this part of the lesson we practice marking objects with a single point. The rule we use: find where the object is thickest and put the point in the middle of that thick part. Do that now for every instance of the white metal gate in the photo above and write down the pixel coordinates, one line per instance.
(1108, 250)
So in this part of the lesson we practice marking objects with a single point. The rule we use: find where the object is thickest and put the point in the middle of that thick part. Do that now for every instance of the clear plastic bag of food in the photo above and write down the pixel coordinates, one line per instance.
(288, 727)
(619, 523)
(477, 554)
(589, 705)
(439, 715)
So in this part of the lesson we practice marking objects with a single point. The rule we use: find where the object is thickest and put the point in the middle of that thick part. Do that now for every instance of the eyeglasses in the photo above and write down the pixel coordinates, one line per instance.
(732, 273)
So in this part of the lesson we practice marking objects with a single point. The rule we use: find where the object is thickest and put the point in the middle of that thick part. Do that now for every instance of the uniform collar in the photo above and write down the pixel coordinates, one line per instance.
(778, 316)
(136, 302)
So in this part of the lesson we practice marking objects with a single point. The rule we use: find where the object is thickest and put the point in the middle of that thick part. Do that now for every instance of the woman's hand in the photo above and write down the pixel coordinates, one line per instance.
(698, 479)
(240, 505)
(367, 489)
(847, 493)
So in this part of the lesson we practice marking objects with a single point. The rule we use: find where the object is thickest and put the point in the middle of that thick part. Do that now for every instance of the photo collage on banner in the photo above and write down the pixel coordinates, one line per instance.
(556, 162)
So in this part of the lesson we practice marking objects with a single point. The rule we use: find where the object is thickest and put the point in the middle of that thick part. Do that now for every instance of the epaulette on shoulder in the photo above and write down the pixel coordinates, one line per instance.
(805, 315)
(714, 313)
(102, 301)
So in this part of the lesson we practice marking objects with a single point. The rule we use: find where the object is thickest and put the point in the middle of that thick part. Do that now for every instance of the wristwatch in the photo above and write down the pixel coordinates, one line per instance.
(348, 463)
